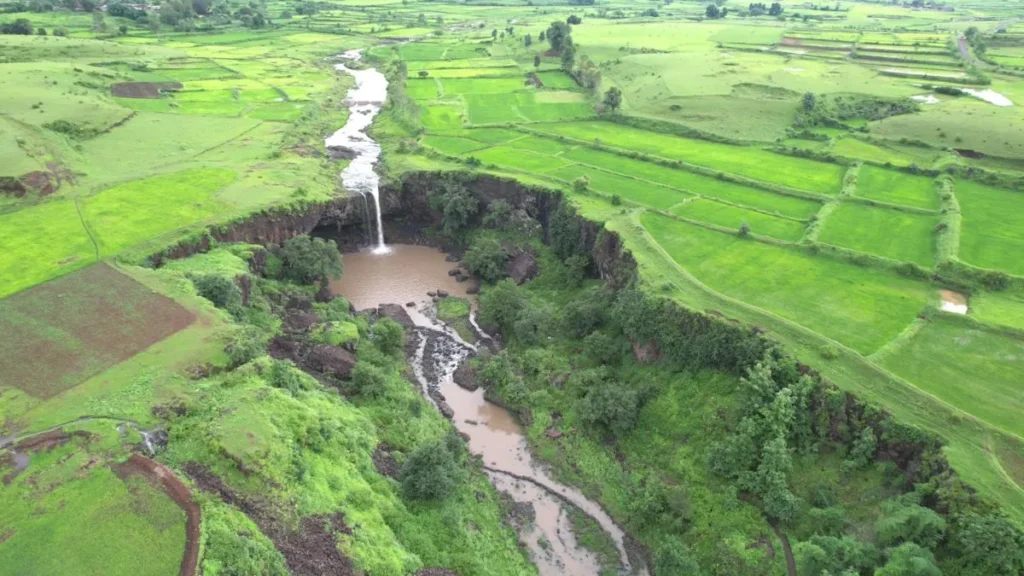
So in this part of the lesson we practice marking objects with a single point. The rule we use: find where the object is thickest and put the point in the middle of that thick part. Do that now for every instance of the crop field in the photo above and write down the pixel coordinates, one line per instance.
(889, 233)
(858, 308)
(79, 325)
(796, 173)
(813, 176)
(993, 227)
(970, 367)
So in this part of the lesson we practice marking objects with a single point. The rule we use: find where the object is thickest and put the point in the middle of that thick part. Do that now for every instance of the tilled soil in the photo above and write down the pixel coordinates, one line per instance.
(58, 334)
(143, 89)
(311, 550)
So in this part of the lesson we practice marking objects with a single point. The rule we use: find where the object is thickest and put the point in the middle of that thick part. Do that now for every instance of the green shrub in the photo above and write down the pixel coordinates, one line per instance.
(610, 407)
(284, 375)
(909, 559)
(221, 291)
(310, 260)
(335, 333)
(673, 559)
(910, 523)
(432, 472)
(486, 259)
(234, 546)
(500, 305)
(245, 344)
(388, 336)
(368, 380)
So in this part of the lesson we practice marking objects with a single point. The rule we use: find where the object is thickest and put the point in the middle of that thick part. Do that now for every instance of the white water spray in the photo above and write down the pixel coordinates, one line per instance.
(364, 101)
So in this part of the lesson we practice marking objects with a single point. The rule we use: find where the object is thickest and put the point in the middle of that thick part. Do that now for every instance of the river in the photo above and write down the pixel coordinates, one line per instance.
(405, 275)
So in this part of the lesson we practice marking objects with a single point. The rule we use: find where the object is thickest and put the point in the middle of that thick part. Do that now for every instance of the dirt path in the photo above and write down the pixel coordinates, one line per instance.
(790, 561)
(177, 491)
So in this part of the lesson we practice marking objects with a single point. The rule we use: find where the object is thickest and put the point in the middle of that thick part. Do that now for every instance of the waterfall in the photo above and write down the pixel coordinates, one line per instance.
(364, 101)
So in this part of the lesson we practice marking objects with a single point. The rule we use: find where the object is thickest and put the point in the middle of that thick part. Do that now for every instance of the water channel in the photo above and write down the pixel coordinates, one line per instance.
(404, 274)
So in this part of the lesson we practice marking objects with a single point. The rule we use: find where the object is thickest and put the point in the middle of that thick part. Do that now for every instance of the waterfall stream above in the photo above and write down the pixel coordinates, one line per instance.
(406, 275)
(364, 101)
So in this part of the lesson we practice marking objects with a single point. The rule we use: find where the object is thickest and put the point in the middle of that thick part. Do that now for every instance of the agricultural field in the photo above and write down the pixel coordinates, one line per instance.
(841, 184)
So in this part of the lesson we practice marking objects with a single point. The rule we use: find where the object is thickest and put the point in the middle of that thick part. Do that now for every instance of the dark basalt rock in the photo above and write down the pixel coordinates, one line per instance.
(522, 267)
(331, 360)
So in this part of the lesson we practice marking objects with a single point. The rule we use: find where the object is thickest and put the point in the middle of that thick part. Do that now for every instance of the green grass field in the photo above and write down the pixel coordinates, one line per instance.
(860, 308)
(993, 227)
(883, 232)
(749, 162)
(733, 217)
(896, 188)
(966, 367)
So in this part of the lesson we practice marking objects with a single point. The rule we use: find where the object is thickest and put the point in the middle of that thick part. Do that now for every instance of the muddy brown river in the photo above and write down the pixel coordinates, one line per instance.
(405, 275)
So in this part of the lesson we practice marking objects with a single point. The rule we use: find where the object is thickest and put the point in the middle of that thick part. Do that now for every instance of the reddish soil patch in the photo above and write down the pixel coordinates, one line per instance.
(42, 182)
(788, 41)
(143, 89)
(311, 550)
(49, 440)
(56, 335)
(384, 462)
(177, 491)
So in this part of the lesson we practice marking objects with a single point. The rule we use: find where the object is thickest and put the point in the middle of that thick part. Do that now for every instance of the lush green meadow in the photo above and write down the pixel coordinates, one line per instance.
(743, 151)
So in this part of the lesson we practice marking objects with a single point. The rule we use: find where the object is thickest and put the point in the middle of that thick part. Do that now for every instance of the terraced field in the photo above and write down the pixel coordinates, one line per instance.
(831, 254)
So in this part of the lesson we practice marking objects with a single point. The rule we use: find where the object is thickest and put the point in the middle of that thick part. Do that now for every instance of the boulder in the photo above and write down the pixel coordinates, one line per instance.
(410, 304)
(460, 277)
(465, 377)
(522, 267)
(445, 410)
(282, 348)
(298, 321)
(475, 289)
(451, 258)
(396, 313)
(442, 293)
(331, 360)
(454, 272)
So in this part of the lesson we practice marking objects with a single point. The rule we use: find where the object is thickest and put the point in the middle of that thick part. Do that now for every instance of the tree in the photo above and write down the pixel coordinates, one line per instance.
(457, 206)
(421, 20)
(423, 73)
(60, 32)
(673, 559)
(611, 407)
(541, 37)
(536, 60)
(221, 291)
(910, 523)
(122, 30)
(41, 32)
(909, 559)
(830, 555)
(527, 40)
(809, 101)
(568, 58)
(581, 184)
(500, 305)
(494, 34)
(573, 19)
(775, 10)
(711, 12)
(310, 260)
(613, 98)
(21, 27)
(368, 380)
(984, 544)
(202, 7)
(98, 22)
(388, 336)
(486, 259)
(559, 36)
(744, 229)
(432, 472)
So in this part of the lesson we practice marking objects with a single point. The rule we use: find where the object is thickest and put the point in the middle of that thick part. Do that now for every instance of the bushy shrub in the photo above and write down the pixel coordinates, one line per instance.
(284, 375)
(221, 291)
(368, 380)
(610, 407)
(673, 559)
(909, 559)
(388, 336)
(910, 523)
(310, 260)
(245, 344)
(500, 305)
(432, 472)
(486, 259)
